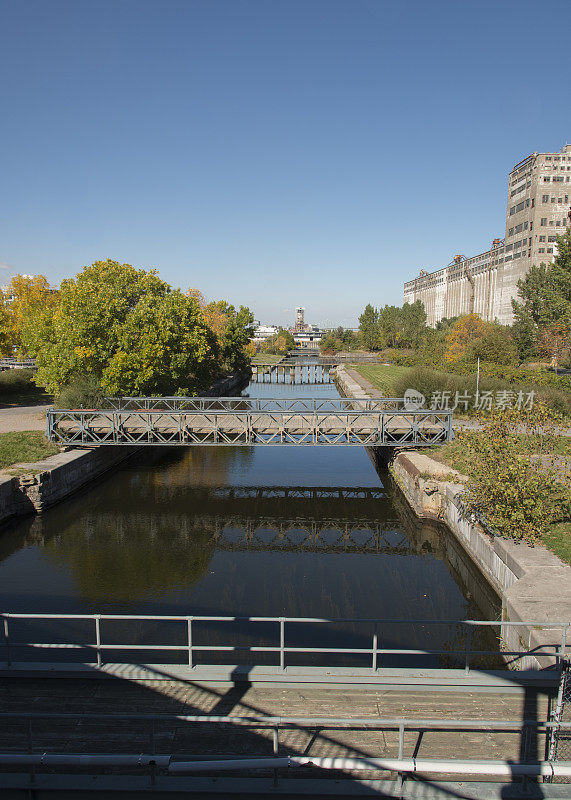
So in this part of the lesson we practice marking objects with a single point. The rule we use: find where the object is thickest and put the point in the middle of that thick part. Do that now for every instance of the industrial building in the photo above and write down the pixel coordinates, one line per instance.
(538, 211)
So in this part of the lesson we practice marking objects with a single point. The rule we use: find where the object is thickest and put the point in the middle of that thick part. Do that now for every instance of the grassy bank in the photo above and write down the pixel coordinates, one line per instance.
(383, 378)
(18, 389)
(266, 358)
(23, 447)
(393, 381)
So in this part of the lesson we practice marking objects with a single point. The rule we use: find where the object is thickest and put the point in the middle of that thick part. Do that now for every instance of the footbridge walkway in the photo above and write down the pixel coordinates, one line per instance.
(376, 422)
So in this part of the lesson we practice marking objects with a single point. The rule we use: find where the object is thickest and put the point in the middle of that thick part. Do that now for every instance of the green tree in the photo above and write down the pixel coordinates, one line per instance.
(164, 347)
(544, 313)
(126, 329)
(6, 338)
(496, 345)
(279, 344)
(369, 328)
(330, 344)
(412, 324)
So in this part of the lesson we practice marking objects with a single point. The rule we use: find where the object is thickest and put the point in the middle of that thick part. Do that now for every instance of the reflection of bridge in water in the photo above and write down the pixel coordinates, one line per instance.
(271, 533)
(274, 518)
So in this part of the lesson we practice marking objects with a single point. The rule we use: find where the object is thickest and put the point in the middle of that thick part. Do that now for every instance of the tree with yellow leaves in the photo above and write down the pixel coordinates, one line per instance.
(465, 331)
(25, 297)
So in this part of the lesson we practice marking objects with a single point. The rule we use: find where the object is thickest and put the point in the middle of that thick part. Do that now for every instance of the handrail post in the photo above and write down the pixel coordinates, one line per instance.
(563, 645)
(97, 618)
(282, 643)
(189, 641)
(30, 750)
(375, 648)
(7, 641)
(468, 648)
(400, 775)
(276, 746)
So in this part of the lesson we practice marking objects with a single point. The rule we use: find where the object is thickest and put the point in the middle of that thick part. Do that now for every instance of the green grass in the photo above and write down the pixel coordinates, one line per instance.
(454, 453)
(24, 446)
(266, 358)
(382, 377)
(558, 540)
(18, 389)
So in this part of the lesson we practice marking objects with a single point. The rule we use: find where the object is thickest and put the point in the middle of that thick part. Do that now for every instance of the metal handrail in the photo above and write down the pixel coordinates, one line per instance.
(176, 763)
(552, 651)
(253, 403)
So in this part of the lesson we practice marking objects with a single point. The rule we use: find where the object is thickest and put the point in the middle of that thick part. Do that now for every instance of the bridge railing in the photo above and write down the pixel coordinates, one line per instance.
(292, 404)
(142, 750)
(23, 632)
(14, 363)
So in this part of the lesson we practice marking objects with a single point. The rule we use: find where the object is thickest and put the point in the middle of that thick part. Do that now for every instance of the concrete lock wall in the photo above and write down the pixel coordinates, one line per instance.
(532, 583)
(44, 483)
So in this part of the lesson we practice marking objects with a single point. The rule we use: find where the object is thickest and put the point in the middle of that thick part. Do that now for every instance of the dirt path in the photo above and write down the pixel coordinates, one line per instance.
(23, 418)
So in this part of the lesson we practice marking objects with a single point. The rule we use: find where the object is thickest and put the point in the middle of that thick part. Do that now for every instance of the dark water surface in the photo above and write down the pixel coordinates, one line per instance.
(298, 531)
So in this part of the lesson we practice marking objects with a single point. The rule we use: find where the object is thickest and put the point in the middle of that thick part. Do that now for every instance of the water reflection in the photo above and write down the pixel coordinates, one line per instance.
(243, 531)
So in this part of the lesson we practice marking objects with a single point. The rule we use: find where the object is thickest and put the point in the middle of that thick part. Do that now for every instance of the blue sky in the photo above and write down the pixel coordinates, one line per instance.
(271, 152)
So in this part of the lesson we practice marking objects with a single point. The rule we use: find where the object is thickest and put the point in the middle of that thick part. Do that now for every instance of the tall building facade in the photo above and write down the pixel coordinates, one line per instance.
(538, 211)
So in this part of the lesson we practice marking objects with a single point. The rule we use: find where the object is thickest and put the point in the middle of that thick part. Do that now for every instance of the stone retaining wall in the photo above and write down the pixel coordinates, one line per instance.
(532, 582)
(44, 483)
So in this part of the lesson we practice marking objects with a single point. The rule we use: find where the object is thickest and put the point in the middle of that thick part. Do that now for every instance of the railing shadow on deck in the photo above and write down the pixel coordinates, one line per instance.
(226, 703)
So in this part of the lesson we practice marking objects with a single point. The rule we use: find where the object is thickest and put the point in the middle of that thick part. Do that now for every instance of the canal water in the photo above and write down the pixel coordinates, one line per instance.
(247, 531)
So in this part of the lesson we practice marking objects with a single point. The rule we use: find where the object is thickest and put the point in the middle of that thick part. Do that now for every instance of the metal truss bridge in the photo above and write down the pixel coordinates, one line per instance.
(292, 373)
(239, 421)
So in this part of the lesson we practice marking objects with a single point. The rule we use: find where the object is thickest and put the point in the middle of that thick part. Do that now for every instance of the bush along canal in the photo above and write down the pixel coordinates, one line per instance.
(244, 531)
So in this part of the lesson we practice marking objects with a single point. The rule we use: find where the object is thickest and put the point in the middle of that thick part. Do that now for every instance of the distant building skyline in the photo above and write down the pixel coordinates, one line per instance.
(538, 210)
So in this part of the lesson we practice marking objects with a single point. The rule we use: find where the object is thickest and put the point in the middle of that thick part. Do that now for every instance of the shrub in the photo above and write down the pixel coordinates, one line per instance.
(402, 358)
(17, 381)
(84, 391)
(514, 494)
(428, 382)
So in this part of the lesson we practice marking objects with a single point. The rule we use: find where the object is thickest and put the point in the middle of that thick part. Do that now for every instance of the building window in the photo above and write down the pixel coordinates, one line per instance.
(519, 207)
(544, 220)
(558, 179)
(552, 238)
(512, 211)
(542, 238)
(509, 247)
(519, 228)
(511, 232)
(541, 250)
(546, 179)
(545, 198)
(549, 249)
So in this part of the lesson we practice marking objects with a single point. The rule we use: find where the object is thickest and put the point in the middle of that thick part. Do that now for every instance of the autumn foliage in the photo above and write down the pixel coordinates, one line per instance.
(125, 331)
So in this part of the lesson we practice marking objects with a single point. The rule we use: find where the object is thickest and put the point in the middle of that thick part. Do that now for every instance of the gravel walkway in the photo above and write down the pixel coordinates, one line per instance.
(23, 418)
